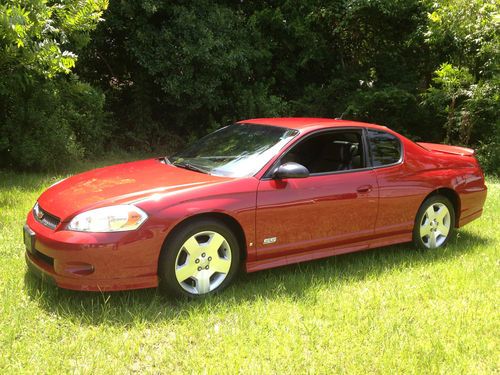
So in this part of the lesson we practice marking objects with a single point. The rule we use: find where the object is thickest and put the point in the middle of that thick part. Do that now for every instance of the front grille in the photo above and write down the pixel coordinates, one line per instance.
(46, 219)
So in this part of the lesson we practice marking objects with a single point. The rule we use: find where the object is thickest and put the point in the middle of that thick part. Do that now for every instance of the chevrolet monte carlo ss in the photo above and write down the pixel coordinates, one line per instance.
(258, 194)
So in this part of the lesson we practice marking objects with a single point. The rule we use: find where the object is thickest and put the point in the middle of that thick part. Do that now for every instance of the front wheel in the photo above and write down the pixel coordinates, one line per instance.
(434, 223)
(200, 258)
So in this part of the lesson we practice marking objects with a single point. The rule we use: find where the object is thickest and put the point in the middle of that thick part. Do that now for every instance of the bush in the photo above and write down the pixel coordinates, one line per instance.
(188, 68)
(488, 153)
(50, 123)
(394, 107)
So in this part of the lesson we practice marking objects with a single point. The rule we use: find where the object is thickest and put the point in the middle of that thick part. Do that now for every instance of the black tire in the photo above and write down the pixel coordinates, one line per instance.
(433, 200)
(173, 246)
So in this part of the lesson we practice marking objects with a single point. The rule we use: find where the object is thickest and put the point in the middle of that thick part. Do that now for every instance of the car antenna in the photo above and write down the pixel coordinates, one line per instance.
(342, 115)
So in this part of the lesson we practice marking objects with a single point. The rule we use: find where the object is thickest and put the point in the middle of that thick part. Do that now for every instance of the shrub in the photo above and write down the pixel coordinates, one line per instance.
(390, 106)
(45, 119)
(488, 153)
(50, 123)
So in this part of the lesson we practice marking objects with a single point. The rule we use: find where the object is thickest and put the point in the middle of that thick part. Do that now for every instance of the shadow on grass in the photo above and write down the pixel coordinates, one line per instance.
(294, 281)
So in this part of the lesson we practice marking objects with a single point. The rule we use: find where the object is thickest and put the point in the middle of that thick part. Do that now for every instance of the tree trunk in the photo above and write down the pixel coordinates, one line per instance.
(451, 119)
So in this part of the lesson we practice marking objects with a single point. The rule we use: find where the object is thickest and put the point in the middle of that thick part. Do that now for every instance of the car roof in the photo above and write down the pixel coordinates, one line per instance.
(308, 123)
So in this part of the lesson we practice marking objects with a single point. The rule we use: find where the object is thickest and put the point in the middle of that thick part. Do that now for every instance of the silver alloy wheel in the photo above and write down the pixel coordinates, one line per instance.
(203, 262)
(435, 225)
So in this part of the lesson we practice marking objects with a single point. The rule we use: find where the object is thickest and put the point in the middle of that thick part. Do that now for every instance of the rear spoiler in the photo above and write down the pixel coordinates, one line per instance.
(447, 149)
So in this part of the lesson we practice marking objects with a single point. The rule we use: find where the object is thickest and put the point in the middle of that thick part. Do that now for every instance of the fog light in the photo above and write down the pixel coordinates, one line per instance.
(79, 269)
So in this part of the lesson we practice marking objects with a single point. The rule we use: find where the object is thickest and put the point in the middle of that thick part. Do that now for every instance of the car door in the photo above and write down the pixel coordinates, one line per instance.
(399, 194)
(326, 209)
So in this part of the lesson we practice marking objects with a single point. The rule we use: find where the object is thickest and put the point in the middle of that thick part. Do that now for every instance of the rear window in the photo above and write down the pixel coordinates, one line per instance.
(385, 148)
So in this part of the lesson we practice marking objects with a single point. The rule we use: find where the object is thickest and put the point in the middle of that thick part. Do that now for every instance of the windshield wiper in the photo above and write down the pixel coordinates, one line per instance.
(218, 157)
(187, 165)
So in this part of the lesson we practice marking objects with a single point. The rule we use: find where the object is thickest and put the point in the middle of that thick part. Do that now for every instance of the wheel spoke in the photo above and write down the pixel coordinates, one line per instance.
(441, 213)
(192, 246)
(425, 230)
(221, 265)
(215, 242)
(185, 272)
(203, 282)
(426, 223)
(432, 240)
(431, 214)
(444, 230)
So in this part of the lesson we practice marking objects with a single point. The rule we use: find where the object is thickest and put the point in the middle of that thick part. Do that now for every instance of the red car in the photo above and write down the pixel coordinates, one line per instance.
(261, 193)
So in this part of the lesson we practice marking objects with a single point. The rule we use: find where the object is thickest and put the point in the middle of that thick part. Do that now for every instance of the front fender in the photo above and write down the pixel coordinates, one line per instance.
(235, 199)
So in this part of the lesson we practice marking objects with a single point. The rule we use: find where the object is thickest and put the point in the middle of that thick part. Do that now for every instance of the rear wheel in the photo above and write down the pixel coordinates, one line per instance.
(200, 258)
(434, 223)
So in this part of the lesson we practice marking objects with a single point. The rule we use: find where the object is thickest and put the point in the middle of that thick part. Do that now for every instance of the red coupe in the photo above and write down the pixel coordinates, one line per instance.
(261, 193)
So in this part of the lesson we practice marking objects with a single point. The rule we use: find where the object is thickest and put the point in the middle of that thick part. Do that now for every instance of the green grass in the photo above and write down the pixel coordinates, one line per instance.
(390, 310)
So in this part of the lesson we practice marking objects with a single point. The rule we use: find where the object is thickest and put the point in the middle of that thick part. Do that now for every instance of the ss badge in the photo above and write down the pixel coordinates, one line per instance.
(269, 240)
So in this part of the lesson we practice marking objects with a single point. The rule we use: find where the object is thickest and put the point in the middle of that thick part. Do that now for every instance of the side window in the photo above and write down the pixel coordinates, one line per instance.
(385, 148)
(329, 152)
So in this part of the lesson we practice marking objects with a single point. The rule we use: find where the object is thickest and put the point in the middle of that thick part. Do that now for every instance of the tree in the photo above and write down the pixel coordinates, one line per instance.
(465, 35)
(43, 108)
(187, 68)
(37, 36)
(450, 86)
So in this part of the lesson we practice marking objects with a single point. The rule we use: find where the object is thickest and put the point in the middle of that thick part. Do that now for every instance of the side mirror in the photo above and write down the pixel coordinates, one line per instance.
(291, 170)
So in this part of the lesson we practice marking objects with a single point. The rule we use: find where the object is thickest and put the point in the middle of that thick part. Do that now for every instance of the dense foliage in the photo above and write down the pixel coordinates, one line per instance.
(466, 88)
(170, 71)
(46, 117)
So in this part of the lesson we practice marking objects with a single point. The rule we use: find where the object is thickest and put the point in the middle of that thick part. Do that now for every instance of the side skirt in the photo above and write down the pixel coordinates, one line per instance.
(305, 256)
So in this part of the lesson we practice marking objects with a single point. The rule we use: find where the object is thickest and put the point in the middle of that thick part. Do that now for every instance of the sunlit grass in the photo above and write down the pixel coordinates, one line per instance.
(390, 310)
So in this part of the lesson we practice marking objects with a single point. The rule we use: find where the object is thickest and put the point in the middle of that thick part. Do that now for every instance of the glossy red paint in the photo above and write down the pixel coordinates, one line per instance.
(311, 218)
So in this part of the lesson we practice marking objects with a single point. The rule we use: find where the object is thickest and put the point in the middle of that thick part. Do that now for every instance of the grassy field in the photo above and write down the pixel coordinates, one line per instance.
(390, 310)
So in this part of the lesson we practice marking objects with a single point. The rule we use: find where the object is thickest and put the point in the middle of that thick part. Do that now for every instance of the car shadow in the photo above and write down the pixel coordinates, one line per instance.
(129, 307)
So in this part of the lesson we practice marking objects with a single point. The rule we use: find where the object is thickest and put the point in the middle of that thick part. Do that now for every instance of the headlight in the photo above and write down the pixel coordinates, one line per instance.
(109, 219)
(36, 209)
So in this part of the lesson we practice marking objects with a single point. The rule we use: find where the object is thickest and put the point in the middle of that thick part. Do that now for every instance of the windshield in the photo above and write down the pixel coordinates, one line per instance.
(239, 150)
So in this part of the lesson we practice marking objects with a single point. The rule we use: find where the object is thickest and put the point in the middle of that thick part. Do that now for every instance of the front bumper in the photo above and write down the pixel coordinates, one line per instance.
(94, 261)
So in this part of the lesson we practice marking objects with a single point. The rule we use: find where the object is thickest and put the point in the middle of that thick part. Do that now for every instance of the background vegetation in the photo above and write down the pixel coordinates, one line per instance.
(77, 79)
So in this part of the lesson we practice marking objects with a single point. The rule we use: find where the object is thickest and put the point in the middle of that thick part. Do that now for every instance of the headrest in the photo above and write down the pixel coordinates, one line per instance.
(354, 149)
(341, 151)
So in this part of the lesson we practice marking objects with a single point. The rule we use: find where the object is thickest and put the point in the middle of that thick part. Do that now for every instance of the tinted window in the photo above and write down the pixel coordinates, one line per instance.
(384, 148)
(328, 152)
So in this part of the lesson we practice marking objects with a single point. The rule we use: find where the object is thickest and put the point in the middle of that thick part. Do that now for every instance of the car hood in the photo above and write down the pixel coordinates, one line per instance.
(119, 184)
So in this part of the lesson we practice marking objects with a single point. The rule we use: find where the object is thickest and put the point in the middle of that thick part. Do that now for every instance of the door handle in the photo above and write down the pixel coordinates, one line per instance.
(364, 189)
